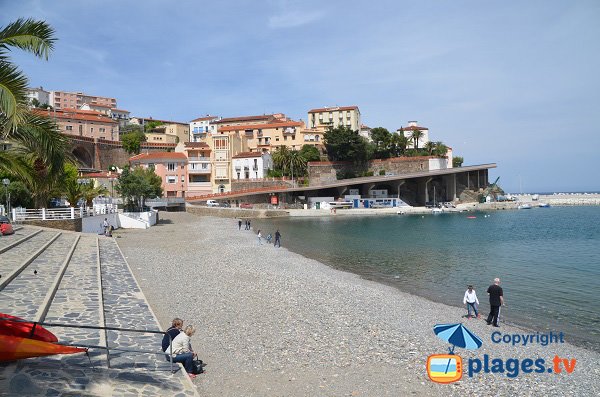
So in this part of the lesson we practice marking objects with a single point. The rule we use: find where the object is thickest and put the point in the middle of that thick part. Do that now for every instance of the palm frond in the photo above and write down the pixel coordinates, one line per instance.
(36, 37)
(13, 98)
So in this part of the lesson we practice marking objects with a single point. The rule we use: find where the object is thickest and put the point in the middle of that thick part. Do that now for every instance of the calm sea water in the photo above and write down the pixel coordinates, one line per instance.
(548, 259)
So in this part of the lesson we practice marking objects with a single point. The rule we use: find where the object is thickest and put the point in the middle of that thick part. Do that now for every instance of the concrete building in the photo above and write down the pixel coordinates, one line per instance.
(173, 128)
(250, 120)
(86, 123)
(201, 127)
(199, 168)
(410, 128)
(223, 148)
(268, 136)
(251, 165)
(158, 135)
(323, 118)
(365, 132)
(171, 167)
(74, 100)
(41, 95)
(121, 116)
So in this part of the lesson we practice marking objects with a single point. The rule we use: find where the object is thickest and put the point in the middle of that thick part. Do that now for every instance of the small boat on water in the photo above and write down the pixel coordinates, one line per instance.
(437, 211)
(544, 205)
(525, 206)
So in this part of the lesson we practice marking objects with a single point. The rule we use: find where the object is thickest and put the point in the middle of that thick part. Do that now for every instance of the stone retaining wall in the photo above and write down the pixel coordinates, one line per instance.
(257, 184)
(235, 212)
(72, 225)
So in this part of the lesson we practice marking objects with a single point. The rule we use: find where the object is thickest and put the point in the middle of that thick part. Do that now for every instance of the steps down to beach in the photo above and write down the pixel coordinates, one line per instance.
(66, 278)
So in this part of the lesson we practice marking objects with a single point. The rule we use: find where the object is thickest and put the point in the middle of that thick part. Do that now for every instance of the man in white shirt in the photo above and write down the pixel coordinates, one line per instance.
(471, 301)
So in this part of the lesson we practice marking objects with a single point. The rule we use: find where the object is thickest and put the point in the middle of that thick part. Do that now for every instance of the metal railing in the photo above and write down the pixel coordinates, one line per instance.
(47, 214)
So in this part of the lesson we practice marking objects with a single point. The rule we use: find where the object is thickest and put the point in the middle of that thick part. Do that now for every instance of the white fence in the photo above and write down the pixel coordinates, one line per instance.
(25, 214)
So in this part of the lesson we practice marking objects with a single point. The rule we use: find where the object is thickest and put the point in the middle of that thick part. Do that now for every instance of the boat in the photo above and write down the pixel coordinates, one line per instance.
(16, 326)
(525, 206)
(544, 205)
(437, 211)
(17, 348)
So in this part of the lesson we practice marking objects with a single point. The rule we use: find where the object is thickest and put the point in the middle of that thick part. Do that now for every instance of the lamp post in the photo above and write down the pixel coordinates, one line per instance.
(6, 182)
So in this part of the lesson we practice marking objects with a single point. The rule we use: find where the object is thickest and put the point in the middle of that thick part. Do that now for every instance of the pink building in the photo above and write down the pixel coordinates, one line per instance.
(88, 123)
(171, 167)
(63, 100)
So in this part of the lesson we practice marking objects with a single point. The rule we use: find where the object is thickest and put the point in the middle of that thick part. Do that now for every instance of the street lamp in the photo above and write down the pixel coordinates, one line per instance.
(6, 182)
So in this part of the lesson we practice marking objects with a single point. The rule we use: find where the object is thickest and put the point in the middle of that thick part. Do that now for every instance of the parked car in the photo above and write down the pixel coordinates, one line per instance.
(225, 205)
(246, 205)
(212, 203)
(5, 226)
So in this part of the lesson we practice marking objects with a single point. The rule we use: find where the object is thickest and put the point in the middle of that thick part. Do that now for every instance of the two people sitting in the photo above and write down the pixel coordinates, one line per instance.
(177, 345)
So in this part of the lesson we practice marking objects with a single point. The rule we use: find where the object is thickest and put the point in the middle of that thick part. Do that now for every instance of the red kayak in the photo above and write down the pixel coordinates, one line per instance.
(23, 329)
(16, 348)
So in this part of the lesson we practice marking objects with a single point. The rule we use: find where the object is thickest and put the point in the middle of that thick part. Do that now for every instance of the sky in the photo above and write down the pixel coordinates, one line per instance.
(513, 83)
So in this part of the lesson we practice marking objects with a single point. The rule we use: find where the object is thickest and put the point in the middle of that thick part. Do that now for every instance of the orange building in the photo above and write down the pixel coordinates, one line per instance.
(171, 167)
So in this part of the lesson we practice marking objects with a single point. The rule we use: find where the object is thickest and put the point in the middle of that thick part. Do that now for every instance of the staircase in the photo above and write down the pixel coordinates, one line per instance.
(81, 279)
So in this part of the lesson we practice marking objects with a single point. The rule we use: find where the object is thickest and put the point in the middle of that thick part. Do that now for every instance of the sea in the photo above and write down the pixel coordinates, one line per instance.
(548, 259)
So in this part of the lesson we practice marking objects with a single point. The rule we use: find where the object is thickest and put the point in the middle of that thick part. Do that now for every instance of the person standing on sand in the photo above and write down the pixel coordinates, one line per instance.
(249, 227)
(240, 224)
(259, 235)
(471, 301)
(496, 300)
(277, 242)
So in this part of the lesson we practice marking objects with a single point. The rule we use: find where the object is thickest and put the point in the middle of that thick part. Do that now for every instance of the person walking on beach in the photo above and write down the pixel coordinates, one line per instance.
(471, 301)
(249, 227)
(259, 235)
(240, 224)
(277, 242)
(496, 300)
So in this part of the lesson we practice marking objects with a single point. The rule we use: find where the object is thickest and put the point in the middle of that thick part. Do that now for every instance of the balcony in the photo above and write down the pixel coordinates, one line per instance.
(198, 170)
(192, 158)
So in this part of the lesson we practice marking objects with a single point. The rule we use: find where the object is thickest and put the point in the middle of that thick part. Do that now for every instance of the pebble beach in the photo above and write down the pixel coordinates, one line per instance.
(274, 323)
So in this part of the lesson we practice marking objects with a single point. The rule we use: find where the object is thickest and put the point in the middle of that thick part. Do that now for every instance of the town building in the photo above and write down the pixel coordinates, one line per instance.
(265, 137)
(87, 123)
(223, 148)
(323, 118)
(410, 129)
(250, 120)
(199, 168)
(121, 116)
(171, 167)
(201, 127)
(365, 132)
(74, 100)
(39, 94)
(166, 127)
(251, 165)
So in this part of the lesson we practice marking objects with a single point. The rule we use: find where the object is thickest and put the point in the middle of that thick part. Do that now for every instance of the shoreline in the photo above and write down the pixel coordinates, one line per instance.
(272, 319)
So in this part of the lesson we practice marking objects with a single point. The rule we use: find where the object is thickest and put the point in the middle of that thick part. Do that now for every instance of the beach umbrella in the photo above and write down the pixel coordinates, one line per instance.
(457, 335)
(16, 326)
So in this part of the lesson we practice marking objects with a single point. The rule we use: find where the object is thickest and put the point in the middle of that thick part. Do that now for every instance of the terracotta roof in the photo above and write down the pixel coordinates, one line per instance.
(243, 118)
(158, 156)
(260, 126)
(333, 109)
(73, 114)
(242, 155)
(97, 105)
(204, 118)
(119, 110)
(413, 127)
(202, 145)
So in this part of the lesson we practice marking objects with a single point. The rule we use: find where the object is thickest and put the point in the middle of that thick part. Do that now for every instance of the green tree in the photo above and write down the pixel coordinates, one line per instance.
(17, 191)
(381, 138)
(429, 147)
(415, 136)
(310, 153)
(343, 144)
(281, 159)
(150, 125)
(138, 184)
(440, 149)
(398, 144)
(457, 161)
(132, 141)
(297, 163)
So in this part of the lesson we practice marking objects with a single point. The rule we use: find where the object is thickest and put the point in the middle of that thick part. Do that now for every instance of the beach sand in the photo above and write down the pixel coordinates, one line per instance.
(274, 323)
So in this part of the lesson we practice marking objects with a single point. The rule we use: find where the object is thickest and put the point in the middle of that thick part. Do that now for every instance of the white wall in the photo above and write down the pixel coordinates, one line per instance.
(93, 224)
(439, 164)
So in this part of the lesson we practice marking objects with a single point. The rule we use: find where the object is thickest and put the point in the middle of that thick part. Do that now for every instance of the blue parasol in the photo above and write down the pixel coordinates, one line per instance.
(458, 336)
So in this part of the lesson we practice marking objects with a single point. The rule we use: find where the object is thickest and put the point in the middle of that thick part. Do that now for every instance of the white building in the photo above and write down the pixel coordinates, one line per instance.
(251, 165)
(41, 95)
(408, 131)
(365, 132)
(200, 127)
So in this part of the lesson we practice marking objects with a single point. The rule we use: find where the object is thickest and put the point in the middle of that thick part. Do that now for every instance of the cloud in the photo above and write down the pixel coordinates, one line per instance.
(293, 19)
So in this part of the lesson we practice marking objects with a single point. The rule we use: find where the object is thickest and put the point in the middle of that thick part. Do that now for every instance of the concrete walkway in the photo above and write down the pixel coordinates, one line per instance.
(81, 279)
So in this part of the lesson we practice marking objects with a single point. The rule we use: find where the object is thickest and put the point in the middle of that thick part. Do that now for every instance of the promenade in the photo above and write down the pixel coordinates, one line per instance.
(274, 323)
(78, 279)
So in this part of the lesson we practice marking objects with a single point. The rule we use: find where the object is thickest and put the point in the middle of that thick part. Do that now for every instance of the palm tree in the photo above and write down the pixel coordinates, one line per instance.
(39, 150)
(35, 37)
(281, 158)
(415, 136)
(90, 191)
(429, 147)
(297, 163)
(440, 150)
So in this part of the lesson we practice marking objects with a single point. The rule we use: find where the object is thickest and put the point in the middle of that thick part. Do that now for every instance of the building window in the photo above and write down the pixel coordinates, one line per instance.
(171, 179)
(182, 178)
(171, 166)
(69, 128)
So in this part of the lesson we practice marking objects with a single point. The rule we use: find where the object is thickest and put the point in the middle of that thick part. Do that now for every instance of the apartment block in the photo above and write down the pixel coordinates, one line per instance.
(223, 148)
(87, 123)
(178, 132)
(171, 167)
(201, 127)
(323, 118)
(199, 168)
(74, 100)
(266, 137)
(39, 94)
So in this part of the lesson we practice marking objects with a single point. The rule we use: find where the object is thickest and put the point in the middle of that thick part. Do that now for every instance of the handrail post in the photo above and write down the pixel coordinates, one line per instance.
(43, 214)
(72, 213)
